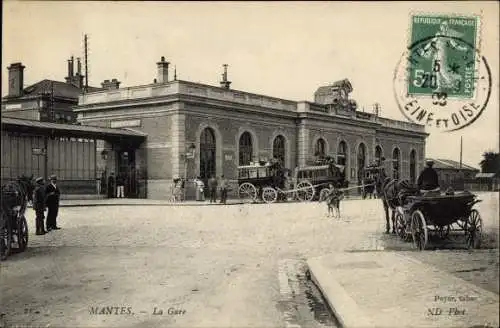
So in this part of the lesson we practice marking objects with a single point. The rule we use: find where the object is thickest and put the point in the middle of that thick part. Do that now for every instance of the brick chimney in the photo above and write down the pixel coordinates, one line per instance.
(225, 83)
(162, 70)
(71, 71)
(78, 79)
(16, 79)
(114, 84)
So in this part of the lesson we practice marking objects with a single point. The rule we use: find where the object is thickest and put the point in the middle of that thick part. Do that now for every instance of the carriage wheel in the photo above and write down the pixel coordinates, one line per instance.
(305, 191)
(247, 191)
(22, 233)
(419, 231)
(443, 232)
(400, 226)
(269, 195)
(323, 193)
(5, 238)
(474, 228)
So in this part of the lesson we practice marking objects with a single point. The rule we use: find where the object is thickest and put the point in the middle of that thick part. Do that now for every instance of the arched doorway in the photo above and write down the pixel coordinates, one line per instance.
(207, 153)
(396, 167)
(279, 148)
(320, 148)
(413, 166)
(245, 148)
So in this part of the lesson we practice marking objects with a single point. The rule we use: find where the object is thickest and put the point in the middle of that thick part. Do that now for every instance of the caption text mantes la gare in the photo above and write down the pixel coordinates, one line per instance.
(127, 310)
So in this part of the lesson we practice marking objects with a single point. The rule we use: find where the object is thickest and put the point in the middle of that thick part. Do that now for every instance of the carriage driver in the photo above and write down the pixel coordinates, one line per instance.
(428, 178)
(39, 206)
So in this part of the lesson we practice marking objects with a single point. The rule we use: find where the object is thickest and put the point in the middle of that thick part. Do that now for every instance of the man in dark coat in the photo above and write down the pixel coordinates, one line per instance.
(428, 178)
(53, 194)
(212, 188)
(104, 184)
(223, 189)
(111, 185)
(39, 206)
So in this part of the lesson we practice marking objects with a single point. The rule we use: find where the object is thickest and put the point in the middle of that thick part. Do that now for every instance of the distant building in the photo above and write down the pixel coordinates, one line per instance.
(47, 100)
(451, 174)
(486, 182)
(227, 128)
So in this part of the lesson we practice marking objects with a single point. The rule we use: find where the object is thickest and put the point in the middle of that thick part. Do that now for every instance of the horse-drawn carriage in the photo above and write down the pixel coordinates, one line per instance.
(270, 181)
(439, 213)
(13, 224)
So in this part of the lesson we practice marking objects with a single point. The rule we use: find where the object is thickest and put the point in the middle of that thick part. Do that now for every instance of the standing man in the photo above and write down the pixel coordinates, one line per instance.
(39, 206)
(223, 189)
(103, 183)
(120, 186)
(212, 185)
(111, 185)
(53, 194)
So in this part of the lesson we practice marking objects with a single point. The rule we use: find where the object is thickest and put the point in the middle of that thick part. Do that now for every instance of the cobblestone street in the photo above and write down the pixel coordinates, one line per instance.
(210, 266)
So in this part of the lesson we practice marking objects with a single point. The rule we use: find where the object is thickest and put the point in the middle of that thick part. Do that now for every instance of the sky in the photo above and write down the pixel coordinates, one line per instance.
(280, 49)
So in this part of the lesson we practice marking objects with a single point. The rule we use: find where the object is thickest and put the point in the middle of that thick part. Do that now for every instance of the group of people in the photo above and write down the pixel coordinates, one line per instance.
(118, 183)
(214, 184)
(46, 196)
(118, 186)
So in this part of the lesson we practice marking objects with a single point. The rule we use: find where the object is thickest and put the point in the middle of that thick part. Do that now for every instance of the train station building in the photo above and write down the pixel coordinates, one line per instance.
(192, 129)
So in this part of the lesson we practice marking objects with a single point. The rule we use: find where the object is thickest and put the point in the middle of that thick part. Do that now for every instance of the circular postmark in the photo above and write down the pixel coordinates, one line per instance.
(443, 82)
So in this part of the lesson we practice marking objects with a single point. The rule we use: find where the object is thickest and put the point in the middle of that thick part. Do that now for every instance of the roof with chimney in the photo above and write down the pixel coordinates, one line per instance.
(448, 164)
(61, 90)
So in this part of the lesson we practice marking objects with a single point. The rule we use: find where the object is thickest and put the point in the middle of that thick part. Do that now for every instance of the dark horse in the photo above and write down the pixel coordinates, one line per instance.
(15, 196)
(392, 192)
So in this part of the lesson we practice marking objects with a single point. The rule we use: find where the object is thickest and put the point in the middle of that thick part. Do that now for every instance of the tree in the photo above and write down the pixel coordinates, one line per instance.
(490, 162)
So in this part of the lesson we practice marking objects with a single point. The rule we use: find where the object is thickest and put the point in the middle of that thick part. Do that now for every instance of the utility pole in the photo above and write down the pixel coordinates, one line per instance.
(52, 111)
(460, 152)
(85, 45)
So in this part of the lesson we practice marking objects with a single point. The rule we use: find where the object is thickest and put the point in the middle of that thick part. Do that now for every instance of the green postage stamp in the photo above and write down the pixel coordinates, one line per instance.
(442, 80)
(443, 55)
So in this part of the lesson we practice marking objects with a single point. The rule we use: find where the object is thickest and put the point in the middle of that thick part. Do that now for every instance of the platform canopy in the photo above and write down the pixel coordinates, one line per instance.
(69, 130)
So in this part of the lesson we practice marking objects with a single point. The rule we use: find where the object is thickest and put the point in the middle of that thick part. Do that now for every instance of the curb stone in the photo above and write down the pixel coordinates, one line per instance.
(345, 309)
(144, 204)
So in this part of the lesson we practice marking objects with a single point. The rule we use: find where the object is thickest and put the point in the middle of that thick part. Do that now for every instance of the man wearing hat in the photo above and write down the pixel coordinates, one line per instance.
(428, 178)
(52, 203)
(39, 206)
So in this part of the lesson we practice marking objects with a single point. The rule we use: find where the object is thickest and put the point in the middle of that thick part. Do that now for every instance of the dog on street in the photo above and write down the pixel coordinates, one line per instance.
(332, 200)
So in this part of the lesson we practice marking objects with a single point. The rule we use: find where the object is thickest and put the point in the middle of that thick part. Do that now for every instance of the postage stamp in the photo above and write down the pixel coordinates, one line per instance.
(442, 80)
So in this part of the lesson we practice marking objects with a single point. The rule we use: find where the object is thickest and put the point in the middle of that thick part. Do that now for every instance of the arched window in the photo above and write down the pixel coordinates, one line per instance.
(378, 154)
(361, 160)
(279, 148)
(342, 153)
(413, 166)
(396, 163)
(320, 148)
(246, 148)
(207, 153)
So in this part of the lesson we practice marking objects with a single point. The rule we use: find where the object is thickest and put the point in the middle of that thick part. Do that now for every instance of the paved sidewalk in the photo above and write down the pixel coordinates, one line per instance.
(88, 201)
(385, 289)
(137, 202)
